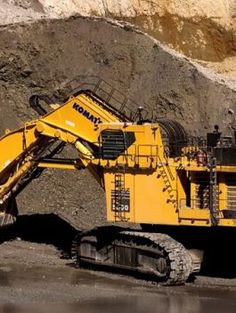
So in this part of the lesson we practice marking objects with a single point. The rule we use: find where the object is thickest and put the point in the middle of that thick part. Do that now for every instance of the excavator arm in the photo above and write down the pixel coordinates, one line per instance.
(29, 149)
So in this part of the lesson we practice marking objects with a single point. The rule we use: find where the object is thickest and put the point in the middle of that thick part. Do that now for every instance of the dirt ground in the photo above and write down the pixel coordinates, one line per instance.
(33, 277)
(44, 240)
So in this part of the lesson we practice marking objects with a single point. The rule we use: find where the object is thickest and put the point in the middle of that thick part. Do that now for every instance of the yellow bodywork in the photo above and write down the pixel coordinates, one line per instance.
(143, 184)
(151, 202)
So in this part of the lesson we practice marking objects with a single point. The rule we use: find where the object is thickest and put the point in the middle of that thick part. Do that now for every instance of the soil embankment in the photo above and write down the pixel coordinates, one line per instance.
(203, 30)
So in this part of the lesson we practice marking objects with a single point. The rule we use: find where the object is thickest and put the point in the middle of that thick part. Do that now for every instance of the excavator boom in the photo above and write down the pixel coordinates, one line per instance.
(76, 122)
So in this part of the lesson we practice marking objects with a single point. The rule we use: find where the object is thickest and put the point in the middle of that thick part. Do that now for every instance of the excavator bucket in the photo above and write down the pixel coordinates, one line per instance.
(8, 213)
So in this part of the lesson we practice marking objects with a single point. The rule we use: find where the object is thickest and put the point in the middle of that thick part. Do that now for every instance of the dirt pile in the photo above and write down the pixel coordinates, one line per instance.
(47, 54)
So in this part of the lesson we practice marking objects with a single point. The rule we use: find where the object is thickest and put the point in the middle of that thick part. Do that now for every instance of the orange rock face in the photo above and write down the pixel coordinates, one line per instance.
(203, 29)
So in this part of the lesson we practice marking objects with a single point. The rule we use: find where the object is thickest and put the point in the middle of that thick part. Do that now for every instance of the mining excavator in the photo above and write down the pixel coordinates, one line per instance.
(153, 174)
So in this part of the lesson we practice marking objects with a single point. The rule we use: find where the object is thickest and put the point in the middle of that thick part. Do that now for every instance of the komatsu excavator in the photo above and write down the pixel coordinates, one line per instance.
(153, 175)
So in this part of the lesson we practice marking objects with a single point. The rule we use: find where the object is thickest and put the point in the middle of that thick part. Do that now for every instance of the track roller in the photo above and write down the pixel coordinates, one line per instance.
(154, 254)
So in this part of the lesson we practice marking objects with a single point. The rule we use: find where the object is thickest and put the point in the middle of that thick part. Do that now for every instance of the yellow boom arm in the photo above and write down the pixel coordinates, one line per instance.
(76, 123)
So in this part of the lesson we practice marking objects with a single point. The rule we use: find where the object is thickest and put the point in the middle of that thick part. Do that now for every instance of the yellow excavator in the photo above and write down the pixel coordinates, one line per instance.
(154, 175)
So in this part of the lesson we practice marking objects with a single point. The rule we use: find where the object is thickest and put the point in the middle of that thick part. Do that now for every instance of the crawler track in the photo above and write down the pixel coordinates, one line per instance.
(151, 253)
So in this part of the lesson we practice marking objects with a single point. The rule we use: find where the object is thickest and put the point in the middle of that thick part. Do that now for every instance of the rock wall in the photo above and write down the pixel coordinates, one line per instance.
(203, 29)
(47, 54)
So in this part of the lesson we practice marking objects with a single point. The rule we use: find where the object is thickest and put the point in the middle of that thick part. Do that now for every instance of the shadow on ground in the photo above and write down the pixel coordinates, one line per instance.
(47, 229)
(219, 259)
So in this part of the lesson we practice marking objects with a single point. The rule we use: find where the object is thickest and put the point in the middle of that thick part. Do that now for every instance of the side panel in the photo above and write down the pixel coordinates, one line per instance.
(148, 202)
(153, 203)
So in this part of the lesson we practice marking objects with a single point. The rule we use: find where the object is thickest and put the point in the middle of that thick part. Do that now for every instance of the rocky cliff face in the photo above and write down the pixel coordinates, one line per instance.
(203, 29)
